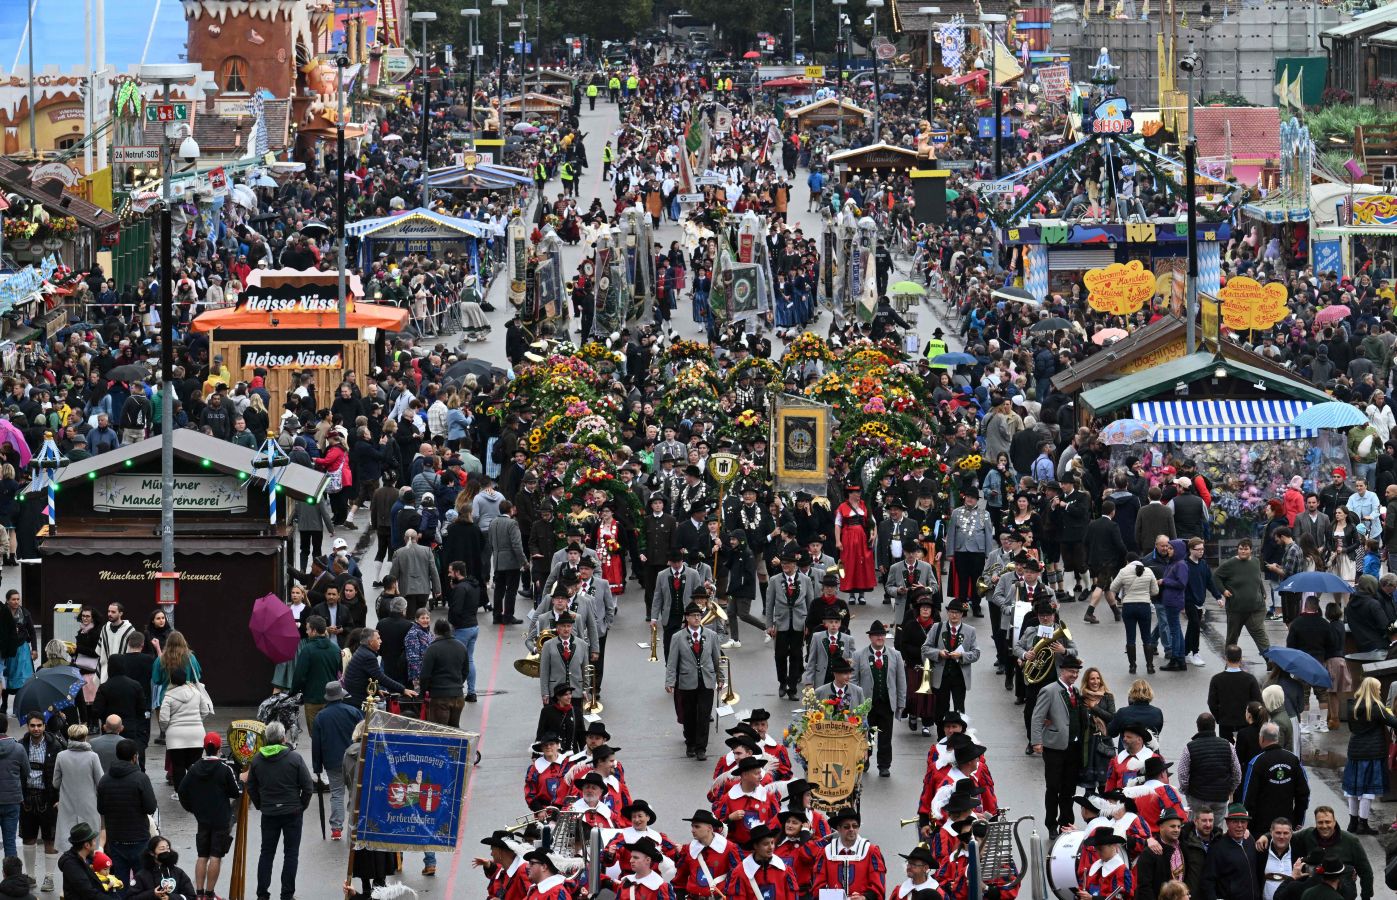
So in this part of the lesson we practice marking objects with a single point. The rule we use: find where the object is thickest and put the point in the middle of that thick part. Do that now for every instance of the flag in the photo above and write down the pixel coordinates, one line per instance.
(1297, 90)
(1006, 67)
(1282, 90)
(693, 135)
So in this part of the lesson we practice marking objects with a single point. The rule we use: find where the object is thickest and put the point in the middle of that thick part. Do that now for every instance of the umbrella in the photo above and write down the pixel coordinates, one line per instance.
(1108, 334)
(128, 373)
(8, 432)
(751, 54)
(315, 228)
(1316, 583)
(1332, 314)
(1014, 295)
(1126, 431)
(242, 195)
(1300, 665)
(274, 629)
(953, 359)
(262, 180)
(825, 128)
(392, 138)
(524, 128)
(457, 371)
(1052, 323)
(1333, 414)
(907, 287)
(50, 689)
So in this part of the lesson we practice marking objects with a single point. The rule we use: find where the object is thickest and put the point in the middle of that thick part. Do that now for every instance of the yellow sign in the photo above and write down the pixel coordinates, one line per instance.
(1155, 357)
(800, 444)
(814, 71)
(834, 754)
(1248, 304)
(1208, 306)
(1120, 288)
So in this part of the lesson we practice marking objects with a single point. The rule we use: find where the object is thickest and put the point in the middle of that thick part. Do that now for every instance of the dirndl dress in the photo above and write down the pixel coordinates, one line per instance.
(19, 668)
(1365, 778)
(854, 552)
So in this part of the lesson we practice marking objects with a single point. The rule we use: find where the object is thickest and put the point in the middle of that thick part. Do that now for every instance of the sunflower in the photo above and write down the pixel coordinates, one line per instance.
(817, 716)
(973, 461)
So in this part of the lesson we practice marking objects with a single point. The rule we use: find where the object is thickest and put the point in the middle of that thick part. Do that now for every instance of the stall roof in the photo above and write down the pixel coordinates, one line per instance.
(1215, 421)
(845, 106)
(1238, 132)
(483, 175)
(1364, 21)
(225, 457)
(1188, 369)
(881, 147)
(15, 177)
(1101, 364)
(362, 315)
(467, 227)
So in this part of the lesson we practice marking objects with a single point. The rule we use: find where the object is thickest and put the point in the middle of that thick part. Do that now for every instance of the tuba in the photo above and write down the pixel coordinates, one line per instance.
(1040, 663)
(985, 583)
(529, 664)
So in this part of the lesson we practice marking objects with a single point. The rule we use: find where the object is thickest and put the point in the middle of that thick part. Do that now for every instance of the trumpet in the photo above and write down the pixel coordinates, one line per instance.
(593, 705)
(903, 823)
(654, 642)
(728, 697)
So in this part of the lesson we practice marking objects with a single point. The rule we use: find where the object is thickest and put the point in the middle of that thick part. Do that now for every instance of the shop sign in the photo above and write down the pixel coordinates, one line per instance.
(68, 114)
(149, 569)
(397, 62)
(1119, 289)
(1112, 116)
(421, 229)
(53, 171)
(1247, 303)
(291, 298)
(285, 356)
(193, 493)
(1375, 209)
(1053, 81)
(1155, 357)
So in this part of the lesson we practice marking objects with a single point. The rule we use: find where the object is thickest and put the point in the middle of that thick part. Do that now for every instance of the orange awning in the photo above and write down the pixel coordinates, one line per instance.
(363, 315)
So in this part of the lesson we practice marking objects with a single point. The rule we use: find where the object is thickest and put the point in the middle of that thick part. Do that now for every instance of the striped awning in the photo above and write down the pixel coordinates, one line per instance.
(1211, 421)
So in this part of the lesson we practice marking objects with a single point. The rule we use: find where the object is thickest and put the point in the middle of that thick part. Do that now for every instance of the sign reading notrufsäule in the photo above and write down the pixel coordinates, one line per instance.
(193, 493)
(289, 356)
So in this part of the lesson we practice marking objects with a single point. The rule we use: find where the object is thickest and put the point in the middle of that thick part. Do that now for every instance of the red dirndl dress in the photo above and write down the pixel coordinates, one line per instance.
(854, 553)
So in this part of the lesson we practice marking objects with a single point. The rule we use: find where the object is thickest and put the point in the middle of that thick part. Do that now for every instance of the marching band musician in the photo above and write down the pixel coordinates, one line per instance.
(1042, 625)
(998, 563)
(560, 660)
(580, 763)
(562, 600)
(1110, 875)
(969, 536)
(543, 782)
(789, 596)
(595, 599)
(642, 882)
(969, 765)
(674, 591)
(592, 805)
(641, 817)
(920, 862)
(506, 868)
(1130, 762)
(827, 603)
(1153, 794)
(816, 561)
(544, 881)
(744, 746)
(748, 803)
(763, 875)
(921, 708)
(829, 645)
(562, 719)
(906, 576)
(604, 765)
(953, 873)
(951, 649)
(564, 561)
(778, 757)
(1006, 595)
(1118, 811)
(800, 795)
(797, 847)
(691, 675)
(882, 676)
(943, 842)
(849, 862)
(940, 760)
(845, 694)
(704, 865)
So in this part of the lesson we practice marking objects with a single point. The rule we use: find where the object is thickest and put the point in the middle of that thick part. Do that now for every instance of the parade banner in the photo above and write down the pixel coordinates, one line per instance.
(744, 298)
(1120, 288)
(413, 790)
(1248, 304)
(800, 444)
(1327, 256)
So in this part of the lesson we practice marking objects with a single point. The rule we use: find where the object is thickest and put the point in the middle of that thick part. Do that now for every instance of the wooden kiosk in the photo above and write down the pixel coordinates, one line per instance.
(287, 323)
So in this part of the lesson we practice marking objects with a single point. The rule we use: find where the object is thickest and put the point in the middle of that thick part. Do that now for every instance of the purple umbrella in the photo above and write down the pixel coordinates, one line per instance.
(274, 629)
(8, 432)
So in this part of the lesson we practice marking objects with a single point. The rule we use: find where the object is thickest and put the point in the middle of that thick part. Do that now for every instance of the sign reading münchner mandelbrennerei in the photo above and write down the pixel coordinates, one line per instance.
(193, 493)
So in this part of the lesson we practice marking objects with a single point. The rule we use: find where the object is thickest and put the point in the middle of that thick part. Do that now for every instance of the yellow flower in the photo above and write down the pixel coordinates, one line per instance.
(817, 716)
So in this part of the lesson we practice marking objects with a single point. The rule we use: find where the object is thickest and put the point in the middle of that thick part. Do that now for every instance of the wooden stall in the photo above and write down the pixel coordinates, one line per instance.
(875, 159)
(287, 323)
(828, 112)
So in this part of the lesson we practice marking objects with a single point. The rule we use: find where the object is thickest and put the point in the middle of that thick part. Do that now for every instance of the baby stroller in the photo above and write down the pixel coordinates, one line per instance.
(286, 709)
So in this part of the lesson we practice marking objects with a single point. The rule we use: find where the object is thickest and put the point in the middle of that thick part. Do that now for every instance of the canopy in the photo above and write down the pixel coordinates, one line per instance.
(1215, 421)
(482, 177)
(361, 315)
(423, 217)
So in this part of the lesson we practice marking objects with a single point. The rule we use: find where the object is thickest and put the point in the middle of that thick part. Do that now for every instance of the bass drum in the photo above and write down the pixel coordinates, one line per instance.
(1062, 865)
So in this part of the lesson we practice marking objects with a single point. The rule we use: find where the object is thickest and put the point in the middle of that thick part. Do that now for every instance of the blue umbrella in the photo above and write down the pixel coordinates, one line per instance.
(953, 359)
(1333, 414)
(1300, 665)
(1316, 583)
(1126, 431)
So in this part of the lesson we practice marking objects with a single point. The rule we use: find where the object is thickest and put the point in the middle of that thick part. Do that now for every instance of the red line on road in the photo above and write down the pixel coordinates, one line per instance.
(484, 719)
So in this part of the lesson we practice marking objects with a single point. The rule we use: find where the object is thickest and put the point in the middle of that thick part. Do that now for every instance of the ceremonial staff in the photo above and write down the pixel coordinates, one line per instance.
(370, 704)
(244, 741)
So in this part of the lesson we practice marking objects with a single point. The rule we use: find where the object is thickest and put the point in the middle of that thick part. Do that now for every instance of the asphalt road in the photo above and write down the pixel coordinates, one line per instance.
(640, 716)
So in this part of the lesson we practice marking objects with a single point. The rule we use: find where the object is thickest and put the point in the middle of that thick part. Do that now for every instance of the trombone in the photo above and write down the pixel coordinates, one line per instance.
(593, 705)
(728, 696)
(654, 642)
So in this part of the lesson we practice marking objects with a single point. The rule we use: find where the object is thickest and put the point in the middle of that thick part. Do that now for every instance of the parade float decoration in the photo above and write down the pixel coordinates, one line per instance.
(832, 745)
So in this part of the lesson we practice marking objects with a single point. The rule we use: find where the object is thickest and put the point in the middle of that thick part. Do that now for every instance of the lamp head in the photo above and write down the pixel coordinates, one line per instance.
(1188, 63)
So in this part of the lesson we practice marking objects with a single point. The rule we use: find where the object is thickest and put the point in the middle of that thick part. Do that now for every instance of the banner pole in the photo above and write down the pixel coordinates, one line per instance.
(370, 704)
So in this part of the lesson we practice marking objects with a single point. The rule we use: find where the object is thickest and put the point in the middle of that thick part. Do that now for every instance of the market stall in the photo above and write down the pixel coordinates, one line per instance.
(875, 159)
(828, 112)
(420, 231)
(286, 324)
(104, 546)
(538, 107)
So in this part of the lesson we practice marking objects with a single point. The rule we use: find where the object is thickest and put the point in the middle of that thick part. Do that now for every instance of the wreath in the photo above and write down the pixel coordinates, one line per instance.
(745, 427)
(588, 455)
(764, 366)
(683, 350)
(808, 347)
(581, 478)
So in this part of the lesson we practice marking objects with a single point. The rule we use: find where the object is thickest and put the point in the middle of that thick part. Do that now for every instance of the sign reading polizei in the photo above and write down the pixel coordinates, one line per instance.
(287, 356)
(193, 493)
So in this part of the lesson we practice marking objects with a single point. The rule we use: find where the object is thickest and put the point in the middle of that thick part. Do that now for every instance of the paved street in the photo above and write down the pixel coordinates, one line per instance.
(639, 713)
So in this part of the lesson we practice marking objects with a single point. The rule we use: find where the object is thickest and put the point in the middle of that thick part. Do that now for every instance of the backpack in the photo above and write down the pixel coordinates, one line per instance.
(428, 529)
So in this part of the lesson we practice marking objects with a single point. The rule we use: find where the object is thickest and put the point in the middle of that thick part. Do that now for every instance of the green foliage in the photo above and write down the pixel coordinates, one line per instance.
(1341, 119)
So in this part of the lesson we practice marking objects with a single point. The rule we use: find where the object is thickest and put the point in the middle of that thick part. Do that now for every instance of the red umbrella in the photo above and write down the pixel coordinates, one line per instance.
(9, 433)
(274, 629)
(1107, 334)
(1332, 314)
(751, 54)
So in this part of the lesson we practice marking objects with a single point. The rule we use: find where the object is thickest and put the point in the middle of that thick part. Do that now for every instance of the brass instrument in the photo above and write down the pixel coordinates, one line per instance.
(901, 823)
(985, 583)
(715, 613)
(565, 837)
(654, 642)
(927, 666)
(593, 705)
(529, 664)
(1040, 663)
(727, 696)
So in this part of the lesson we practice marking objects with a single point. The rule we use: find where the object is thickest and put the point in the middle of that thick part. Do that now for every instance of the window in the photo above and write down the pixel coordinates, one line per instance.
(65, 143)
(1387, 63)
(234, 75)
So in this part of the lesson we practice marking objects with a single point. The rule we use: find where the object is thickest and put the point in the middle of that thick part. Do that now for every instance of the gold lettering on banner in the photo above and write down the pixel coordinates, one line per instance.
(1155, 357)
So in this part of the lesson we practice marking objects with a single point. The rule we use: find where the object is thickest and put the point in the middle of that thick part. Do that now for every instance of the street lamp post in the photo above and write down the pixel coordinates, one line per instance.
(168, 74)
(929, 11)
(342, 63)
(876, 5)
(839, 64)
(1189, 63)
(425, 17)
(988, 21)
(499, 62)
(792, 10)
(472, 15)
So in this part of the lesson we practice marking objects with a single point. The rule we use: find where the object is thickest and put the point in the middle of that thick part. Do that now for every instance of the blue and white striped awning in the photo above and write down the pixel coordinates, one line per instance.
(1210, 421)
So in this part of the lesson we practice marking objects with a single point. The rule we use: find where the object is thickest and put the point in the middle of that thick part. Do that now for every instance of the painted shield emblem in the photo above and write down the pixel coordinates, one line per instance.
(834, 755)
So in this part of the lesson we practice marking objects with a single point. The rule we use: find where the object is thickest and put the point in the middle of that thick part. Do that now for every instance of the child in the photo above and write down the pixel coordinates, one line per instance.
(102, 867)
(1372, 559)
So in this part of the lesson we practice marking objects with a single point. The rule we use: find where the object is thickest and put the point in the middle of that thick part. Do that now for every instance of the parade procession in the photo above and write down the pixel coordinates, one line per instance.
(697, 452)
